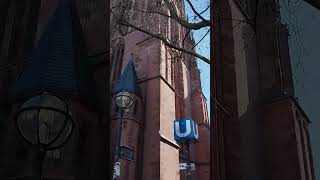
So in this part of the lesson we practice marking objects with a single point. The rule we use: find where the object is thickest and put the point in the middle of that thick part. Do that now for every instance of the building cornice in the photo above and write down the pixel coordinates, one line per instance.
(168, 141)
(130, 119)
(156, 77)
(283, 98)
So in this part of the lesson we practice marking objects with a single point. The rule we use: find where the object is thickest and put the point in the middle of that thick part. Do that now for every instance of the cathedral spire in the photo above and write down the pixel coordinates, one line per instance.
(128, 79)
(57, 65)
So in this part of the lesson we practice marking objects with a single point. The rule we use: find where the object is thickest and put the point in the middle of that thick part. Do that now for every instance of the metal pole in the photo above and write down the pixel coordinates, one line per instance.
(42, 154)
(188, 163)
(118, 150)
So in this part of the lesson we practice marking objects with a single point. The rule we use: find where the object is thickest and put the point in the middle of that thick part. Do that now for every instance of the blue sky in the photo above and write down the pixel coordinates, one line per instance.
(203, 47)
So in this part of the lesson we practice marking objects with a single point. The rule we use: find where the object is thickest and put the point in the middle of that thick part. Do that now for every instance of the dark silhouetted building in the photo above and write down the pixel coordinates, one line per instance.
(259, 131)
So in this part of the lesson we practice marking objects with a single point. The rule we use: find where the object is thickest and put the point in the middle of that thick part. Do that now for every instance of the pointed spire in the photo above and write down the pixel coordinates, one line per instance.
(128, 79)
(54, 63)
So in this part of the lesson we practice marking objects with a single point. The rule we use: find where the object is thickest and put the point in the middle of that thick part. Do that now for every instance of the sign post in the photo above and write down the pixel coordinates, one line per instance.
(188, 165)
(185, 165)
(116, 172)
(186, 131)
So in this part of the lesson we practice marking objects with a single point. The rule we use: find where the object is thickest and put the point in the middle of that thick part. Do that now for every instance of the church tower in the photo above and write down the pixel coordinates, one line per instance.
(57, 68)
(169, 89)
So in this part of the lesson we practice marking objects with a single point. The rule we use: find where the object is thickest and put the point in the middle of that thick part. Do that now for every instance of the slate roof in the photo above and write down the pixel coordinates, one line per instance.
(59, 63)
(128, 79)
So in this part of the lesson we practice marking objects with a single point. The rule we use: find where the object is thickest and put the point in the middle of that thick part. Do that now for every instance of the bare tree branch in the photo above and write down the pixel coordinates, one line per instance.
(201, 39)
(185, 37)
(168, 10)
(165, 41)
(182, 22)
(154, 12)
(196, 12)
(205, 9)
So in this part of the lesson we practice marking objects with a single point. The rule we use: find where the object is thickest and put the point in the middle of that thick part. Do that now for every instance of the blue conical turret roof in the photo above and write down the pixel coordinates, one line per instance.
(128, 79)
(56, 64)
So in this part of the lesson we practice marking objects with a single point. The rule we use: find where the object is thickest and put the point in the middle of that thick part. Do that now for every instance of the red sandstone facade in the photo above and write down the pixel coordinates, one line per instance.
(258, 129)
(170, 88)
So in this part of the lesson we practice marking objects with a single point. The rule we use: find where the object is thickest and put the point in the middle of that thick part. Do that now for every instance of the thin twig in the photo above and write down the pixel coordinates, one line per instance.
(165, 41)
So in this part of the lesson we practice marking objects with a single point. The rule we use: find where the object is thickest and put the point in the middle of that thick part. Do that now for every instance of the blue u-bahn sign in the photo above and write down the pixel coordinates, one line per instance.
(185, 130)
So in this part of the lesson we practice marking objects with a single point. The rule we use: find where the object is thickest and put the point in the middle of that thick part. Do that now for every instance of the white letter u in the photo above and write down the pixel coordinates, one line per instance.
(188, 129)
(196, 132)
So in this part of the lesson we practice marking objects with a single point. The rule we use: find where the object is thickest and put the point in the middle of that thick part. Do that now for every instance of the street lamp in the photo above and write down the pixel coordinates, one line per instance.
(123, 100)
(45, 121)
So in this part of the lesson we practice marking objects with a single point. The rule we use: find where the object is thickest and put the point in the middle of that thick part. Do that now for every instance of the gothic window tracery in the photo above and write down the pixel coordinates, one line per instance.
(117, 50)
